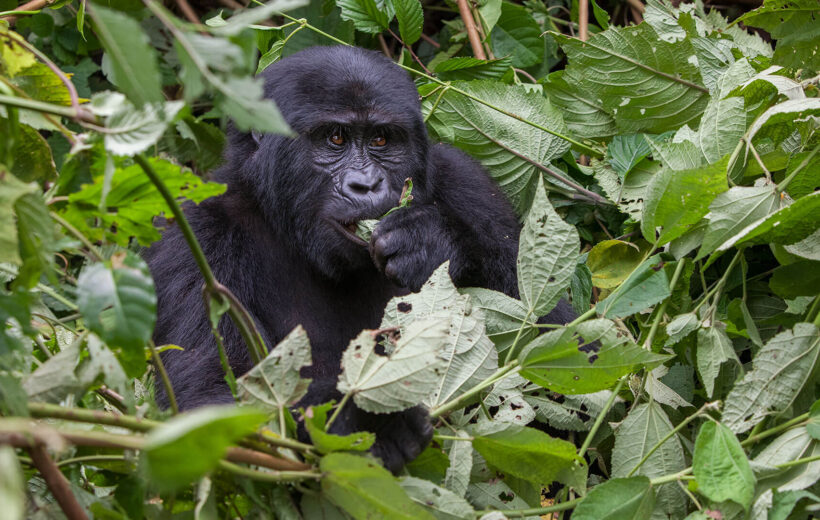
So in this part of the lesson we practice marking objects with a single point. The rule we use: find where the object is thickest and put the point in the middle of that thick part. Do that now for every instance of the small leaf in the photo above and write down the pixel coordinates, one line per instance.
(646, 286)
(780, 371)
(612, 261)
(720, 466)
(118, 303)
(133, 59)
(457, 477)
(411, 18)
(568, 360)
(714, 349)
(681, 326)
(190, 445)
(370, 16)
(801, 278)
(626, 151)
(365, 490)
(132, 130)
(315, 418)
(526, 453)
(11, 189)
(547, 254)
(813, 427)
(618, 498)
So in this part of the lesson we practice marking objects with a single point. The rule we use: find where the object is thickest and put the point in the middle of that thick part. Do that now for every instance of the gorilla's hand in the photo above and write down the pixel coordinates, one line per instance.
(409, 244)
(400, 437)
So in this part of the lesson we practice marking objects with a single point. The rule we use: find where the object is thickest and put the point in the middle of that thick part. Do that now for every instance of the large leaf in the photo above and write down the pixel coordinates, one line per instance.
(497, 140)
(781, 369)
(405, 377)
(118, 303)
(584, 116)
(275, 383)
(643, 428)
(612, 261)
(470, 356)
(647, 84)
(411, 18)
(190, 445)
(503, 317)
(526, 453)
(720, 466)
(365, 490)
(796, 26)
(133, 60)
(547, 254)
(788, 225)
(568, 360)
(676, 200)
(617, 499)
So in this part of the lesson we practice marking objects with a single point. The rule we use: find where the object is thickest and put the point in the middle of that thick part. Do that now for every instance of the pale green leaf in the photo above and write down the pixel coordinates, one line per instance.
(721, 468)
(618, 499)
(714, 349)
(441, 502)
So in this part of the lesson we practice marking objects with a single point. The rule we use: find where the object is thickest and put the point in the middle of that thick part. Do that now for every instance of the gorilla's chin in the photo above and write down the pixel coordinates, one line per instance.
(332, 252)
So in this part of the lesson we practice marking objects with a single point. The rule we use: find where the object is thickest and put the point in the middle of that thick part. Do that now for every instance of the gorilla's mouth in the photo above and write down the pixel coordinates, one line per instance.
(348, 229)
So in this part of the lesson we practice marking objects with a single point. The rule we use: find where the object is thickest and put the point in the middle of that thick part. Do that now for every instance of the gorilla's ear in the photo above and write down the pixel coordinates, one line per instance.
(257, 137)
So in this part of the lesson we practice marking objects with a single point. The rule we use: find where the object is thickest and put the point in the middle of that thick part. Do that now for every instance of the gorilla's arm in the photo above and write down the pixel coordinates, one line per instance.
(460, 216)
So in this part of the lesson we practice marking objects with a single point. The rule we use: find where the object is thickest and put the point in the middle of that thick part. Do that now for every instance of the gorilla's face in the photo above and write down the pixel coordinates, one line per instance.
(360, 136)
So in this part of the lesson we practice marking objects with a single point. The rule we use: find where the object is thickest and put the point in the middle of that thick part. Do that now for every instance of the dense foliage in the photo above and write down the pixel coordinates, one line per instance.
(665, 166)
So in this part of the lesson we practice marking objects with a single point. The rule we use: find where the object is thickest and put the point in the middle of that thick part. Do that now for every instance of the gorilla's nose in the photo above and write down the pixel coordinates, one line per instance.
(365, 186)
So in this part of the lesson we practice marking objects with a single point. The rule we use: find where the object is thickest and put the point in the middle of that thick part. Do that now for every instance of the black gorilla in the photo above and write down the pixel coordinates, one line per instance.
(281, 238)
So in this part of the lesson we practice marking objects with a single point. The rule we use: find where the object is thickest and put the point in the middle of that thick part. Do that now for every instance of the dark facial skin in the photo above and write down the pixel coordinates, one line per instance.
(279, 238)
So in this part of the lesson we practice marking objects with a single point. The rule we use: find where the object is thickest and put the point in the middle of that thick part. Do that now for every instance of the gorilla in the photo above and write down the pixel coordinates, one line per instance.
(282, 236)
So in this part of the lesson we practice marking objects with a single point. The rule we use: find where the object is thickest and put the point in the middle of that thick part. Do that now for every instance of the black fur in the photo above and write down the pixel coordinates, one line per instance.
(275, 240)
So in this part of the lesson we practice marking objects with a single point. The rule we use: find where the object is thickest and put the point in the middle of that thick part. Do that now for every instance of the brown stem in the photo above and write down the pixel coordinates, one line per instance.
(56, 482)
(431, 41)
(637, 5)
(472, 32)
(410, 50)
(385, 48)
(188, 11)
(34, 5)
(583, 19)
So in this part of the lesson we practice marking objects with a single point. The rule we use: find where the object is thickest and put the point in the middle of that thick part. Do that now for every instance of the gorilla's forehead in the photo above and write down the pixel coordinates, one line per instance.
(343, 83)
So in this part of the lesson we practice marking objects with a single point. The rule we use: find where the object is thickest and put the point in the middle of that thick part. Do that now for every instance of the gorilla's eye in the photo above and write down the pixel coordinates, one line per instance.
(337, 139)
(378, 141)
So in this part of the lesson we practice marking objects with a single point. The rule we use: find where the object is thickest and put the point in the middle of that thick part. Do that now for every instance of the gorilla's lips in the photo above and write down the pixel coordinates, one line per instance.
(348, 229)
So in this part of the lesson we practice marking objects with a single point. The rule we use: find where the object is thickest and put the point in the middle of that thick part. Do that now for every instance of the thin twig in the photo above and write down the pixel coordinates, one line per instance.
(163, 374)
(431, 41)
(410, 50)
(95, 254)
(472, 32)
(637, 5)
(383, 45)
(188, 11)
(34, 5)
(56, 482)
(583, 20)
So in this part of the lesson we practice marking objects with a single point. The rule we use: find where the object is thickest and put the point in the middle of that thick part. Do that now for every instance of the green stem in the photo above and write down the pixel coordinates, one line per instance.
(681, 475)
(785, 182)
(163, 374)
(53, 411)
(601, 417)
(509, 356)
(536, 511)
(797, 421)
(722, 282)
(338, 410)
(798, 462)
(656, 323)
(79, 236)
(451, 438)
(813, 314)
(583, 317)
(241, 321)
(40, 106)
(268, 476)
(92, 458)
(459, 401)
(670, 435)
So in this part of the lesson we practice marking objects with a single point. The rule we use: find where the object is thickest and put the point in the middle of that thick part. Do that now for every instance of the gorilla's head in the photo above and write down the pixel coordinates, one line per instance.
(360, 135)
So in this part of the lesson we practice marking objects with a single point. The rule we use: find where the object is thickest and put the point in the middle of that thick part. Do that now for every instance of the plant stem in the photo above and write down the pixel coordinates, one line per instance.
(601, 417)
(338, 409)
(92, 458)
(680, 475)
(798, 462)
(213, 285)
(459, 401)
(269, 476)
(785, 182)
(536, 511)
(163, 374)
(48, 108)
(79, 236)
(56, 482)
(797, 421)
(583, 317)
(654, 329)
(702, 409)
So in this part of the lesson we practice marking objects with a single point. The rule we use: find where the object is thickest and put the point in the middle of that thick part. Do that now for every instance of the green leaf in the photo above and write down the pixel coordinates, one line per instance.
(807, 179)
(190, 445)
(580, 287)
(496, 140)
(133, 60)
(12, 485)
(780, 121)
(273, 55)
(616, 499)
(460, 458)
(568, 362)
(131, 130)
(681, 326)
(612, 261)
(244, 19)
(370, 16)
(503, 317)
(403, 378)
(517, 35)
(676, 200)
(801, 278)
(41, 83)
(795, 24)
(721, 468)
(118, 303)
(468, 68)
(780, 371)
(441, 502)
(32, 156)
(584, 116)
(365, 490)
(714, 349)
(645, 427)
(131, 202)
(315, 418)
(11, 189)
(626, 151)
(547, 254)
(788, 225)
(628, 193)
(526, 453)
(647, 285)
(275, 383)
(813, 426)
(411, 18)
(647, 84)
(733, 210)
(37, 240)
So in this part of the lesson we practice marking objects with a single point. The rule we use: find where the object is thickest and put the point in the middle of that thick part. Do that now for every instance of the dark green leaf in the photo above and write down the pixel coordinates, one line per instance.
(517, 35)
(315, 420)
(798, 279)
(411, 18)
